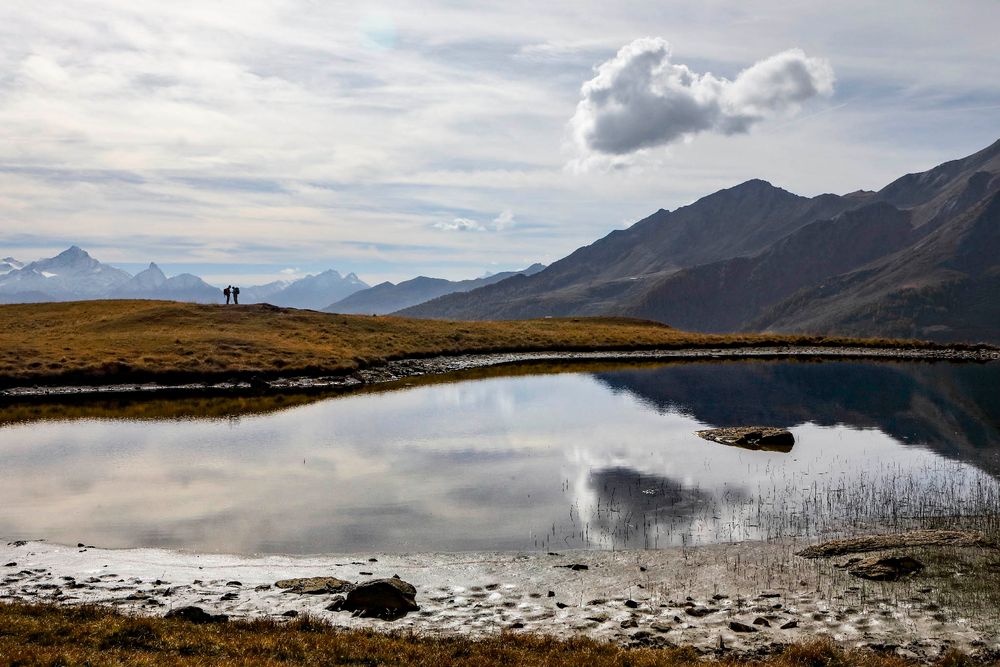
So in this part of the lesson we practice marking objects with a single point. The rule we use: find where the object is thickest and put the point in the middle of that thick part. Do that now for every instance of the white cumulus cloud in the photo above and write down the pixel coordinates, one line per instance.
(460, 225)
(640, 98)
(503, 221)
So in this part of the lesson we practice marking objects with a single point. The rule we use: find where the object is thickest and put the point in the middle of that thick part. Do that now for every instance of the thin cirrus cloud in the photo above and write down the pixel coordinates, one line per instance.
(640, 98)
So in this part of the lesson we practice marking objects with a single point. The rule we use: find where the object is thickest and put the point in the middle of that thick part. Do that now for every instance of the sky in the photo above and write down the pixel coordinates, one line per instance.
(250, 141)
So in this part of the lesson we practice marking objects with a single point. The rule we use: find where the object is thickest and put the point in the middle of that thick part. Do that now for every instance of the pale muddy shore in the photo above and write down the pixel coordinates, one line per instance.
(394, 371)
(678, 596)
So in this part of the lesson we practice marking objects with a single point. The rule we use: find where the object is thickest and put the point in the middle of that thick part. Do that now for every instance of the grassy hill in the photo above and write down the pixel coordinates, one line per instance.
(128, 341)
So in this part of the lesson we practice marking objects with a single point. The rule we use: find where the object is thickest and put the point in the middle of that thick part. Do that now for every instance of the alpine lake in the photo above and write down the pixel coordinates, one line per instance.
(602, 457)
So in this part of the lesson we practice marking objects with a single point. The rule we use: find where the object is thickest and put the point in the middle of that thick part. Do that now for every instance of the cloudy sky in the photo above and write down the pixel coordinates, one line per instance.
(252, 140)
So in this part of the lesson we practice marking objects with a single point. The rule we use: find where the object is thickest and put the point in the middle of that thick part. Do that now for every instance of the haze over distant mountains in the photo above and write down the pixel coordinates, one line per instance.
(919, 258)
(388, 297)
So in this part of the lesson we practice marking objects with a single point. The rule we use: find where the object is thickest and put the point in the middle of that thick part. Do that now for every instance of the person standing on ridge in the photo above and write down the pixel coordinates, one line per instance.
(236, 296)
(226, 291)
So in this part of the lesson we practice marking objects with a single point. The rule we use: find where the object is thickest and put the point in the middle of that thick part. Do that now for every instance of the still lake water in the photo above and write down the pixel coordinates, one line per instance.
(604, 459)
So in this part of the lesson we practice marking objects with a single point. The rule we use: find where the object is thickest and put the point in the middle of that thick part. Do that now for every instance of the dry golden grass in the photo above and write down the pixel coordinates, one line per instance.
(120, 341)
(51, 635)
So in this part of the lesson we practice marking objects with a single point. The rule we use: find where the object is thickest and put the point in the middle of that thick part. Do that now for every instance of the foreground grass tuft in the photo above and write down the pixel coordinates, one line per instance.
(52, 635)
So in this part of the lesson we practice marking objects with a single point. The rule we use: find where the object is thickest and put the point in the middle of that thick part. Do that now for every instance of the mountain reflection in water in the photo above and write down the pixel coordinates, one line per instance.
(953, 409)
(605, 460)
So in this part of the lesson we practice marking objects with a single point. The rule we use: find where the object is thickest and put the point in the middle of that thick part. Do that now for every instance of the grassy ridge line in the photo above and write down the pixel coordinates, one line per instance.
(131, 341)
(53, 635)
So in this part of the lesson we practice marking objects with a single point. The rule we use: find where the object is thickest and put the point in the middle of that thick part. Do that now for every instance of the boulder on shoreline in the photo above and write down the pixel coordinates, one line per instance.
(196, 615)
(387, 599)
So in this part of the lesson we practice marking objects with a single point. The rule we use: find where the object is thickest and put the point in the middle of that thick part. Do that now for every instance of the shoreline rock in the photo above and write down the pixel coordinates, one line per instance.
(913, 538)
(388, 599)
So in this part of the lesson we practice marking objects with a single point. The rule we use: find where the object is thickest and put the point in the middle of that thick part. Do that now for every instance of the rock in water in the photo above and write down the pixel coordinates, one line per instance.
(886, 568)
(387, 599)
(768, 438)
(315, 585)
(196, 615)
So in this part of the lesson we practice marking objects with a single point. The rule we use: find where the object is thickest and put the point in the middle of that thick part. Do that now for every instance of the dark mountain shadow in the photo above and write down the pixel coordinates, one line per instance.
(953, 409)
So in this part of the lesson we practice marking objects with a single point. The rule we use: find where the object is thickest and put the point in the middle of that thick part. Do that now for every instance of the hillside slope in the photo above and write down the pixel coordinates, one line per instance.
(597, 278)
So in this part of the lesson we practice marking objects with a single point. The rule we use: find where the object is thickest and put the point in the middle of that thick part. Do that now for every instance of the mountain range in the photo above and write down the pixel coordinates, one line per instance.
(73, 275)
(919, 258)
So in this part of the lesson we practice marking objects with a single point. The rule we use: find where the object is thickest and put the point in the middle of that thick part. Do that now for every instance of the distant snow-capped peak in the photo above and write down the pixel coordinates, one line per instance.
(8, 264)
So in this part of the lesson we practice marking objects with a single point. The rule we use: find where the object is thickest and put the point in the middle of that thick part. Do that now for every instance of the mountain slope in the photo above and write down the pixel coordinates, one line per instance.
(388, 297)
(144, 284)
(943, 288)
(723, 295)
(621, 266)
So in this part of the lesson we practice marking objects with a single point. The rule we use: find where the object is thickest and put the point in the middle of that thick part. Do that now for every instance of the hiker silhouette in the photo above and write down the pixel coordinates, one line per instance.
(236, 296)
(227, 292)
